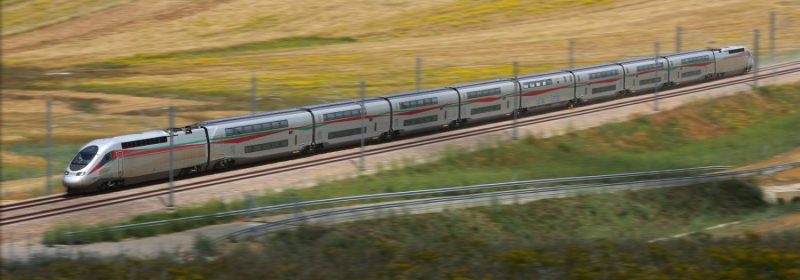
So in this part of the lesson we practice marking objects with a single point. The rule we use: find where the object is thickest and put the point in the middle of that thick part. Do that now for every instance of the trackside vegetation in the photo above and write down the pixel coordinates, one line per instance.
(727, 131)
(592, 236)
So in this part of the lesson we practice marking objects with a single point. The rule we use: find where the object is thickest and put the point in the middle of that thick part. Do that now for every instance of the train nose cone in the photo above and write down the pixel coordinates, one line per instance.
(72, 182)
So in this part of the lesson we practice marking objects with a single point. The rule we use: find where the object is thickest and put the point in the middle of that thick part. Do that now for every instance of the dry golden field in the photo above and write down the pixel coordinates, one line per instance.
(118, 63)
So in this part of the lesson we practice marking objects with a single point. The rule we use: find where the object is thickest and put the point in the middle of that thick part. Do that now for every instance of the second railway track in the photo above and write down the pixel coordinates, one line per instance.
(54, 207)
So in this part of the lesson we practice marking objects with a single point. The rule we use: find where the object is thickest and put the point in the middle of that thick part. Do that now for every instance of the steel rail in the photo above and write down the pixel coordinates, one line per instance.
(491, 127)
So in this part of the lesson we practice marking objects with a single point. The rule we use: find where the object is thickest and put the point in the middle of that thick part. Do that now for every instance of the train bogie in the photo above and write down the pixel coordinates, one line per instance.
(345, 122)
(423, 110)
(487, 100)
(546, 90)
(598, 82)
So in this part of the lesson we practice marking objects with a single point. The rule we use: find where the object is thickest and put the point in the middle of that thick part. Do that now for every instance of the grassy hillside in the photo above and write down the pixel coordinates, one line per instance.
(584, 237)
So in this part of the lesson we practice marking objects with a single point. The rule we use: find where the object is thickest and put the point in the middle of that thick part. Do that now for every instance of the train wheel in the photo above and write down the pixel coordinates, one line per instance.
(108, 185)
(223, 164)
(387, 136)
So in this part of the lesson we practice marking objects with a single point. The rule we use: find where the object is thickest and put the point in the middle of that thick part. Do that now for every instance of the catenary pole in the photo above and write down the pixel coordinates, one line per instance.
(678, 35)
(253, 93)
(49, 144)
(755, 57)
(772, 37)
(418, 74)
(571, 53)
(517, 94)
(656, 47)
(171, 196)
(361, 161)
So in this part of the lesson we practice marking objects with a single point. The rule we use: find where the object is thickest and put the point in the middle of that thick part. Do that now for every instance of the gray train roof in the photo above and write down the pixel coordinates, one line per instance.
(641, 59)
(250, 116)
(543, 74)
(472, 84)
(412, 93)
(591, 67)
(138, 136)
(689, 52)
(346, 102)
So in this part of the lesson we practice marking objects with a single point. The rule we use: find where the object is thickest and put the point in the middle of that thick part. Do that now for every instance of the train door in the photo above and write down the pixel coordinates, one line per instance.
(119, 159)
(585, 88)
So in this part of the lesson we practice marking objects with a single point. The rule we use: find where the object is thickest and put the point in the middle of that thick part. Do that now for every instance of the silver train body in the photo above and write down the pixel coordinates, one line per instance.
(222, 143)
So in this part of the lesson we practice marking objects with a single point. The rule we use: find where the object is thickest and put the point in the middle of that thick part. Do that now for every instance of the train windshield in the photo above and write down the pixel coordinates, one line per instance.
(83, 158)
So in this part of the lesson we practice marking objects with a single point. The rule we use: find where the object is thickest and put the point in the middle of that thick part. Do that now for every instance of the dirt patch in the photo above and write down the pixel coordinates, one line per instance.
(777, 224)
(691, 123)
(780, 178)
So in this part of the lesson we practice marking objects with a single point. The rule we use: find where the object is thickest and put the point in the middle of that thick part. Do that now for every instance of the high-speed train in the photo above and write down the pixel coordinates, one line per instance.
(221, 143)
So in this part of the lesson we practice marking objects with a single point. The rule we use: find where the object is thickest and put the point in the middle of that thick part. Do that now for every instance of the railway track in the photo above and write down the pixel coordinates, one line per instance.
(8, 216)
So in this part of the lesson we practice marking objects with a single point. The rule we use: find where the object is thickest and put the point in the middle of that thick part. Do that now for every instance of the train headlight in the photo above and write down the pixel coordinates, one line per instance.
(66, 173)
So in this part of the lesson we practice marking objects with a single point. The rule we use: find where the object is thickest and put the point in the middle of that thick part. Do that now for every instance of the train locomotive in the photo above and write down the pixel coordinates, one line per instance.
(221, 143)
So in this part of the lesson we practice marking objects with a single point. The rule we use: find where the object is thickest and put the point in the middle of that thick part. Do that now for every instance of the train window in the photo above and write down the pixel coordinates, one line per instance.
(419, 103)
(83, 158)
(486, 109)
(603, 89)
(144, 142)
(650, 81)
(416, 121)
(266, 146)
(346, 132)
(690, 73)
(341, 115)
(650, 67)
(483, 93)
(539, 83)
(603, 74)
(256, 127)
(733, 51)
(108, 157)
(696, 59)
